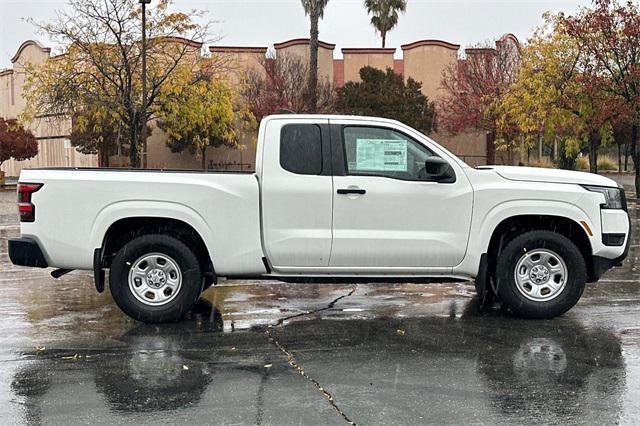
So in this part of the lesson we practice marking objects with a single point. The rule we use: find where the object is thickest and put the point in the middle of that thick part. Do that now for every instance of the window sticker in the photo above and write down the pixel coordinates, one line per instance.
(381, 155)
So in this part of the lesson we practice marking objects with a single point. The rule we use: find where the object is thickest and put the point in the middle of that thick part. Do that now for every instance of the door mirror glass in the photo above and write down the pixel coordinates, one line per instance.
(439, 170)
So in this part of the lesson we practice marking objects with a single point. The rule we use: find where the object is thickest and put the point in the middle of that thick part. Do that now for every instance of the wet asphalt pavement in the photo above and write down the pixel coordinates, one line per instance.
(370, 354)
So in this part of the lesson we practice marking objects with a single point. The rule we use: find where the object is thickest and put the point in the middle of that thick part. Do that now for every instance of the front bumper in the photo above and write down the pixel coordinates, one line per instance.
(603, 264)
(26, 252)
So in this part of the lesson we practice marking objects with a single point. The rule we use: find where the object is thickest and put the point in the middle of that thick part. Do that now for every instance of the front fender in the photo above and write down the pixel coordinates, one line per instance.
(483, 228)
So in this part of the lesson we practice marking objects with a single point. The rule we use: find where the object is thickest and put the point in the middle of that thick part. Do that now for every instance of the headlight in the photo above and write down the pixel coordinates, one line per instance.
(612, 196)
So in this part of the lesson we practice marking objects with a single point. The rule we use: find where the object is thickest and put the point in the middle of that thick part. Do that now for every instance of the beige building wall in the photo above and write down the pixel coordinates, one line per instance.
(221, 158)
(54, 149)
(300, 47)
(237, 60)
(234, 62)
(357, 58)
(425, 61)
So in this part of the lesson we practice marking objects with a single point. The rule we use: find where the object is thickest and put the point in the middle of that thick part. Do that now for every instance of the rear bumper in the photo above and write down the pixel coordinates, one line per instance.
(26, 252)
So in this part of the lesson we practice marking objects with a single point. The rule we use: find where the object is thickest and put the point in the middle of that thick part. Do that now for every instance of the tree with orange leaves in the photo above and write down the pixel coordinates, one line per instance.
(16, 142)
(609, 32)
(473, 88)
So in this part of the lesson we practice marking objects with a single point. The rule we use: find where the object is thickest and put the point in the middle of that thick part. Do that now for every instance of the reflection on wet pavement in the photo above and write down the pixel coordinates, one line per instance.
(388, 354)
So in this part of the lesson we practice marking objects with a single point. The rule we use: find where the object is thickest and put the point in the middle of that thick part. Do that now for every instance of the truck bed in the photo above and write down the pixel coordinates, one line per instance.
(76, 206)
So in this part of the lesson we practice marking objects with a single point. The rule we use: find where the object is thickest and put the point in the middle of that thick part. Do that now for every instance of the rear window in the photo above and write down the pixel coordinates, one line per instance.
(301, 149)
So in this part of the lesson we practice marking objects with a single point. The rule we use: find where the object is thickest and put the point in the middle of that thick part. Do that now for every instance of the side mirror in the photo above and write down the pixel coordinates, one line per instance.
(439, 170)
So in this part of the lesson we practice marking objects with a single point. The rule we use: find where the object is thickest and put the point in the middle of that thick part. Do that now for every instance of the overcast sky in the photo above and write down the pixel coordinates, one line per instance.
(264, 22)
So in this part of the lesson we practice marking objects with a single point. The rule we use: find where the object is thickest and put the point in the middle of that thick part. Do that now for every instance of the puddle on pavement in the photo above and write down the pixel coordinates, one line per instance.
(424, 353)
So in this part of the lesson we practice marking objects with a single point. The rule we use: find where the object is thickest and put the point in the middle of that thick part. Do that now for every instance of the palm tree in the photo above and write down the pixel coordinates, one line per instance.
(315, 10)
(385, 15)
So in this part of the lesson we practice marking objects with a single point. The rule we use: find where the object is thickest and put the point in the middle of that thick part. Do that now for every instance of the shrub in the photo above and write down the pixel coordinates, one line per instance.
(543, 162)
(387, 94)
(16, 142)
(605, 163)
(582, 163)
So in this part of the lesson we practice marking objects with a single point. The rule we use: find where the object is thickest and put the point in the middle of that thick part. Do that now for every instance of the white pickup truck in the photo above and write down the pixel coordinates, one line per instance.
(333, 198)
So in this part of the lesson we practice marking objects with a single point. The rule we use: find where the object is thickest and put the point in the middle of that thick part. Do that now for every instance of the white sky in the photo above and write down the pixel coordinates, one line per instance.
(264, 22)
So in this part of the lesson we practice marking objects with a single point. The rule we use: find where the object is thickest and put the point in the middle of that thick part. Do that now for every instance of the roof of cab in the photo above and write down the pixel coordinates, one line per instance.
(329, 117)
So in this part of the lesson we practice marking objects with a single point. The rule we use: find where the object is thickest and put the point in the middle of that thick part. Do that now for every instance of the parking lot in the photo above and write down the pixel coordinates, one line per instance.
(275, 353)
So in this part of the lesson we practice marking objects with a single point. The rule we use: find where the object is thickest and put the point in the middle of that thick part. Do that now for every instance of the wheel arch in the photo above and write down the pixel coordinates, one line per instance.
(125, 229)
(516, 225)
(153, 212)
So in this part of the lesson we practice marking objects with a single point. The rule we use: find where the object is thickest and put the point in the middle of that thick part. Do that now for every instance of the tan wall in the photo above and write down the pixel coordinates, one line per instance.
(426, 61)
(423, 60)
(243, 159)
(7, 83)
(52, 153)
(50, 132)
(222, 158)
(469, 146)
(238, 60)
(355, 59)
(301, 49)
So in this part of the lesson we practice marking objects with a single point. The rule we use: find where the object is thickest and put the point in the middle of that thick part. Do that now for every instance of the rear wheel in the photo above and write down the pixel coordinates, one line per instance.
(540, 274)
(155, 279)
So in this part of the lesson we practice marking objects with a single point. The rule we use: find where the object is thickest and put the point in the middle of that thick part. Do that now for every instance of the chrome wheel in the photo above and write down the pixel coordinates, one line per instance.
(155, 279)
(540, 275)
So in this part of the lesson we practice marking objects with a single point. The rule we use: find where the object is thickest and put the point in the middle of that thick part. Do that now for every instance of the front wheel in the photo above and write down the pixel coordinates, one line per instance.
(540, 274)
(155, 279)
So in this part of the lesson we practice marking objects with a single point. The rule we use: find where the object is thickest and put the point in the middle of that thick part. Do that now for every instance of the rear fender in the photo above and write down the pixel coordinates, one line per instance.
(160, 209)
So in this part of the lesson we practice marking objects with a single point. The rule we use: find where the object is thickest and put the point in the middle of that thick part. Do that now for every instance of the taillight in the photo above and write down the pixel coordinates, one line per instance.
(25, 206)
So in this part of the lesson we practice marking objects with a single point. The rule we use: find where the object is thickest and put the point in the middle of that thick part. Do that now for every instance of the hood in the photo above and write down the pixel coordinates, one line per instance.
(538, 174)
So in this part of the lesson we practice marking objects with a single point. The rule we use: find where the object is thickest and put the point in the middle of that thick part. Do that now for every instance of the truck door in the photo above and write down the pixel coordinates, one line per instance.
(297, 193)
(388, 216)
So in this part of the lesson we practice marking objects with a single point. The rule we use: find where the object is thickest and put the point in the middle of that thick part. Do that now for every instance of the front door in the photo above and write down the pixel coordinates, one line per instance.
(297, 194)
(388, 217)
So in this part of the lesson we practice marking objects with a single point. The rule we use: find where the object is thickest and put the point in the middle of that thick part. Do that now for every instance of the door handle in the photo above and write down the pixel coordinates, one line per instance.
(352, 191)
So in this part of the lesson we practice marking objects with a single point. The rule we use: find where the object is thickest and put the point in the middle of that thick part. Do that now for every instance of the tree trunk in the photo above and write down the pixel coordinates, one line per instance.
(313, 64)
(103, 157)
(384, 38)
(204, 158)
(133, 144)
(540, 147)
(619, 158)
(491, 147)
(593, 152)
(626, 155)
(636, 157)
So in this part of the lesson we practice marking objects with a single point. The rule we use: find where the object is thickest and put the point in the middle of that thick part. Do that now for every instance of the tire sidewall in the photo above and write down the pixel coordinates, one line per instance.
(188, 294)
(515, 301)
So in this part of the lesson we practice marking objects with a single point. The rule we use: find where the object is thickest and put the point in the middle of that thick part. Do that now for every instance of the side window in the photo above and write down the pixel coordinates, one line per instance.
(374, 151)
(301, 149)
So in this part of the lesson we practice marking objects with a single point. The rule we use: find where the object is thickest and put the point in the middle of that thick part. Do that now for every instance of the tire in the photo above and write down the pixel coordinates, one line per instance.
(161, 290)
(545, 291)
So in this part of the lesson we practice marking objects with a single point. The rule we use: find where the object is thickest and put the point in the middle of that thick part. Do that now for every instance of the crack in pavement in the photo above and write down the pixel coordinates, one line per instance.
(294, 363)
